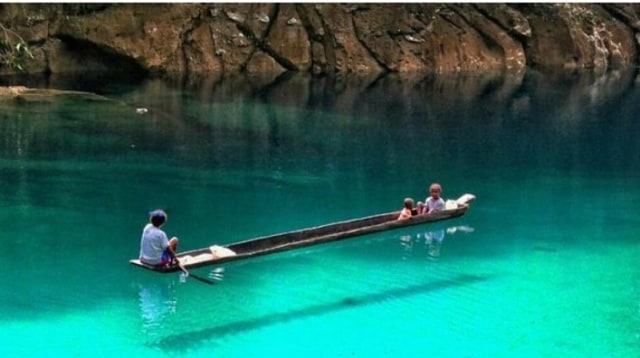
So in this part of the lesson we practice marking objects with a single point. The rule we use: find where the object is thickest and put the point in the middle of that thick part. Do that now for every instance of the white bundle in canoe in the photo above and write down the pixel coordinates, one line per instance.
(216, 253)
(454, 204)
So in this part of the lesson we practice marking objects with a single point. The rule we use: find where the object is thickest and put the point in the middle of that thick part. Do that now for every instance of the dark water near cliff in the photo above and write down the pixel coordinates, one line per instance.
(543, 264)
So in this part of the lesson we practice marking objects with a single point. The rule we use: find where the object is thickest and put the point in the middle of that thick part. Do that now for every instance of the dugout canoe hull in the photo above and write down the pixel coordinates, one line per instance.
(306, 237)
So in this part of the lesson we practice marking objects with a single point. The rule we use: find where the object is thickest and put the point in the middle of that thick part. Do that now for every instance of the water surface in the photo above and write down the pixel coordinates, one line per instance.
(543, 264)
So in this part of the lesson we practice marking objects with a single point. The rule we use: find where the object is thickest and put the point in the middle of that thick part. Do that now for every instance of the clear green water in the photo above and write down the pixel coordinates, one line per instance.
(547, 266)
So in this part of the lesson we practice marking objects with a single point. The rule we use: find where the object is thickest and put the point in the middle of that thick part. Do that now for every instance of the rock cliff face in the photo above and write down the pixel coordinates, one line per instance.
(270, 39)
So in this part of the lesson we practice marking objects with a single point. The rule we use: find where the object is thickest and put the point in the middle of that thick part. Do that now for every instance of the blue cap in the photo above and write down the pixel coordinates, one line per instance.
(158, 214)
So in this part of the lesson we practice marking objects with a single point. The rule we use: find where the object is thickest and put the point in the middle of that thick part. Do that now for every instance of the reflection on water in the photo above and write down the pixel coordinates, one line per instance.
(217, 274)
(430, 240)
(157, 302)
(486, 116)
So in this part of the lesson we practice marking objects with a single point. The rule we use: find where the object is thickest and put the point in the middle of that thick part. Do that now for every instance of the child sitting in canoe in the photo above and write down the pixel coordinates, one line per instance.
(433, 203)
(406, 211)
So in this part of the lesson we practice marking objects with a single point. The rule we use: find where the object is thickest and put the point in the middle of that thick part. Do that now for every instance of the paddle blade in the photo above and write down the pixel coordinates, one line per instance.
(202, 279)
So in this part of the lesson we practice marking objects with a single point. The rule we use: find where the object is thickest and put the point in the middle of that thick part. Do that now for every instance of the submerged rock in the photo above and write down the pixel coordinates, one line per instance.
(24, 94)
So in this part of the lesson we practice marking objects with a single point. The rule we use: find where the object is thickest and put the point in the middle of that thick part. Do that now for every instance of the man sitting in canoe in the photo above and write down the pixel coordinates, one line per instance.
(155, 248)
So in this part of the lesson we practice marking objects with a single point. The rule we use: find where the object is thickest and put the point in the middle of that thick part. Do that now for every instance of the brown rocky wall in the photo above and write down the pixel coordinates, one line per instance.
(324, 38)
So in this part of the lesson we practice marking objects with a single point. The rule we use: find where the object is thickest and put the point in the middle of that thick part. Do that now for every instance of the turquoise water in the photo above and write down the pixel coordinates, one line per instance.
(543, 264)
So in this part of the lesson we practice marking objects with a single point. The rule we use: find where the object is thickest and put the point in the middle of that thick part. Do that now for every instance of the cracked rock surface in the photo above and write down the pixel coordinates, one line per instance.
(323, 38)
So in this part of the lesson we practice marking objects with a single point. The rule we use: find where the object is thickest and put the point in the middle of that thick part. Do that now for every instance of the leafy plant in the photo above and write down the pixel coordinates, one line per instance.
(13, 50)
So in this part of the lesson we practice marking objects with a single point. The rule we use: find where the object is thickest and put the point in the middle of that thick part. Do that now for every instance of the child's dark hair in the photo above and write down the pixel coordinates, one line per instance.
(408, 203)
(157, 220)
(158, 217)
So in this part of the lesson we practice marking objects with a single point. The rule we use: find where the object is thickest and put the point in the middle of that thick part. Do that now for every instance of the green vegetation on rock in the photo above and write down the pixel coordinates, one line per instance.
(13, 50)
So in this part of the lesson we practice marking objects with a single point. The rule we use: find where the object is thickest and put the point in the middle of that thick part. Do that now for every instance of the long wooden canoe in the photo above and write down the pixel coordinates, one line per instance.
(215, 255)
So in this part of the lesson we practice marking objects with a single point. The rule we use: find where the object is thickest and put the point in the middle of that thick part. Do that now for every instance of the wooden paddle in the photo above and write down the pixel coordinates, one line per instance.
(202, 279)
(199, 278)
